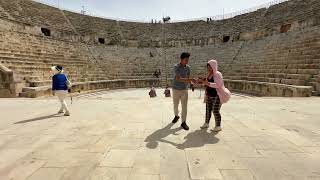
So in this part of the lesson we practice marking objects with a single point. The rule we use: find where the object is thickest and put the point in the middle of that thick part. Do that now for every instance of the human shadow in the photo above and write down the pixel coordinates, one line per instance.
(157, 136)
(38, 118)
(198, 138)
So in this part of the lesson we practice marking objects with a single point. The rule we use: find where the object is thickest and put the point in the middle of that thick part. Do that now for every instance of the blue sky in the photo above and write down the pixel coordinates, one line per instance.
(146, 10)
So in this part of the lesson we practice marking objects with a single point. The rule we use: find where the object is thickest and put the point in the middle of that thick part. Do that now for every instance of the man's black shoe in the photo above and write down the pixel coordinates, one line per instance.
(175, 119)
(185, 126)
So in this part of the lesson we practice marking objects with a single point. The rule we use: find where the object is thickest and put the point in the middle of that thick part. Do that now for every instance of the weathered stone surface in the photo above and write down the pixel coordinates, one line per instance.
(237, 174)
(202, 165)
(47, 173)
(7, 82)
(106, 173)
(150, 157)
(144, 176)
(119, 158)
(109, 135)
(268, 89)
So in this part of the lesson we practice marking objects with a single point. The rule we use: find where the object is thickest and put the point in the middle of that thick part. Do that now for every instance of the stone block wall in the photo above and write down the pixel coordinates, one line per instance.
(92, 28)
(128, 62)
(7, 84)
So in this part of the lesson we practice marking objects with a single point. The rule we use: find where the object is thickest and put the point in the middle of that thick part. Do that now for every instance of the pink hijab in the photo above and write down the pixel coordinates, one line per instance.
(223, 93)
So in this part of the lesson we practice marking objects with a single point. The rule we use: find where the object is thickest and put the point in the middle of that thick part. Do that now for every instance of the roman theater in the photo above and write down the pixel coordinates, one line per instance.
(269, 58)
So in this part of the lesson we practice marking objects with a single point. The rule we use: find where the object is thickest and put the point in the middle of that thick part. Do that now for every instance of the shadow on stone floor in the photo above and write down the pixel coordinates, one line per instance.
(194, 139)
(38, 118)
(198, 138)
(157, 136)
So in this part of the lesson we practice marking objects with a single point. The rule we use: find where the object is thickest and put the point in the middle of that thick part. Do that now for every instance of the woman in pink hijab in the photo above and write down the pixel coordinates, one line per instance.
(216, 95)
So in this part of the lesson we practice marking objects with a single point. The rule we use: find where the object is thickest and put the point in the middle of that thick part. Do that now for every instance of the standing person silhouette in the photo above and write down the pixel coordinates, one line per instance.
(181, 82)
(216, 95)
(60, 86)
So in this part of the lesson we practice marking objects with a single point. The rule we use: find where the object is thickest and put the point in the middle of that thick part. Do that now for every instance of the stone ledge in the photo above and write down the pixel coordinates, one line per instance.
(34, 92)
(268, 89)
(7, 85)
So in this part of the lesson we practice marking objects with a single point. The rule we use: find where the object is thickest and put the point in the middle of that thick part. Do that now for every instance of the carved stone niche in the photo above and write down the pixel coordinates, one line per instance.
(226, 39)
(46, 31)
(285, 28)
(101, 40)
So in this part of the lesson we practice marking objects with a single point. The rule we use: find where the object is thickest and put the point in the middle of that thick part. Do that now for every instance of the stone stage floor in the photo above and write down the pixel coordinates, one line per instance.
(125, 135)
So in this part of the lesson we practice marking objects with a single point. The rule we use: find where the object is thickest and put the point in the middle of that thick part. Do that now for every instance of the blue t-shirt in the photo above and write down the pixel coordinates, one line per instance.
(59, 82)
(183, 72)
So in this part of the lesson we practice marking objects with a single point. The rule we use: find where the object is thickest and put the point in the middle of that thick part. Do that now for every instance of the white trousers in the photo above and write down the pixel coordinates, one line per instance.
(180, 95)
(61, 94)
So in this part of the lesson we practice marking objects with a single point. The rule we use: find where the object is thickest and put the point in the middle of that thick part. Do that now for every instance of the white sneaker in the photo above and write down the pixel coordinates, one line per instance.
(204, 126)
(60, 112)
(217, 129)
(67, 113)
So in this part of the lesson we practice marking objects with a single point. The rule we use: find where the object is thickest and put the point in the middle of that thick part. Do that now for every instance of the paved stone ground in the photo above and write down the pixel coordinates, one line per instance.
(125, 135)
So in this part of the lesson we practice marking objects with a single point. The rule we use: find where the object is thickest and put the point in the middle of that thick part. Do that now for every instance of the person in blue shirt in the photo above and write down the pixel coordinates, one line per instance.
(60, 86)
(181, 81)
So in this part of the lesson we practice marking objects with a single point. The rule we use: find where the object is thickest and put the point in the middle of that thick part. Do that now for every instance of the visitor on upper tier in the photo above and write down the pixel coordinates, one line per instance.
(181, 81)
(167, 92)
(152, 92)
(60, 86)
(216, 95)
(156, 74)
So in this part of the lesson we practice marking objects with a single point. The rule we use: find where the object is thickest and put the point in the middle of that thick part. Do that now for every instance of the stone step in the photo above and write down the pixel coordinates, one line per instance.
(267, 89)
(315, 93)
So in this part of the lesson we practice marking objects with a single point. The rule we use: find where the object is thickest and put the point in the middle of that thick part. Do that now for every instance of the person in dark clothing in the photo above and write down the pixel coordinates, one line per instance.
(152, 92)
(212, 105)
(156, 74)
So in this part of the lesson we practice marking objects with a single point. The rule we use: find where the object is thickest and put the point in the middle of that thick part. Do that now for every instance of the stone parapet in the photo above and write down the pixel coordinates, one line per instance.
(268, 89)
(79, 87)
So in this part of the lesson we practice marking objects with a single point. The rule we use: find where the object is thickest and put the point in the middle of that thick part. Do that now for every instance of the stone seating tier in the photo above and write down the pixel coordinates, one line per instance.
(34, 13)
(256, 54)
